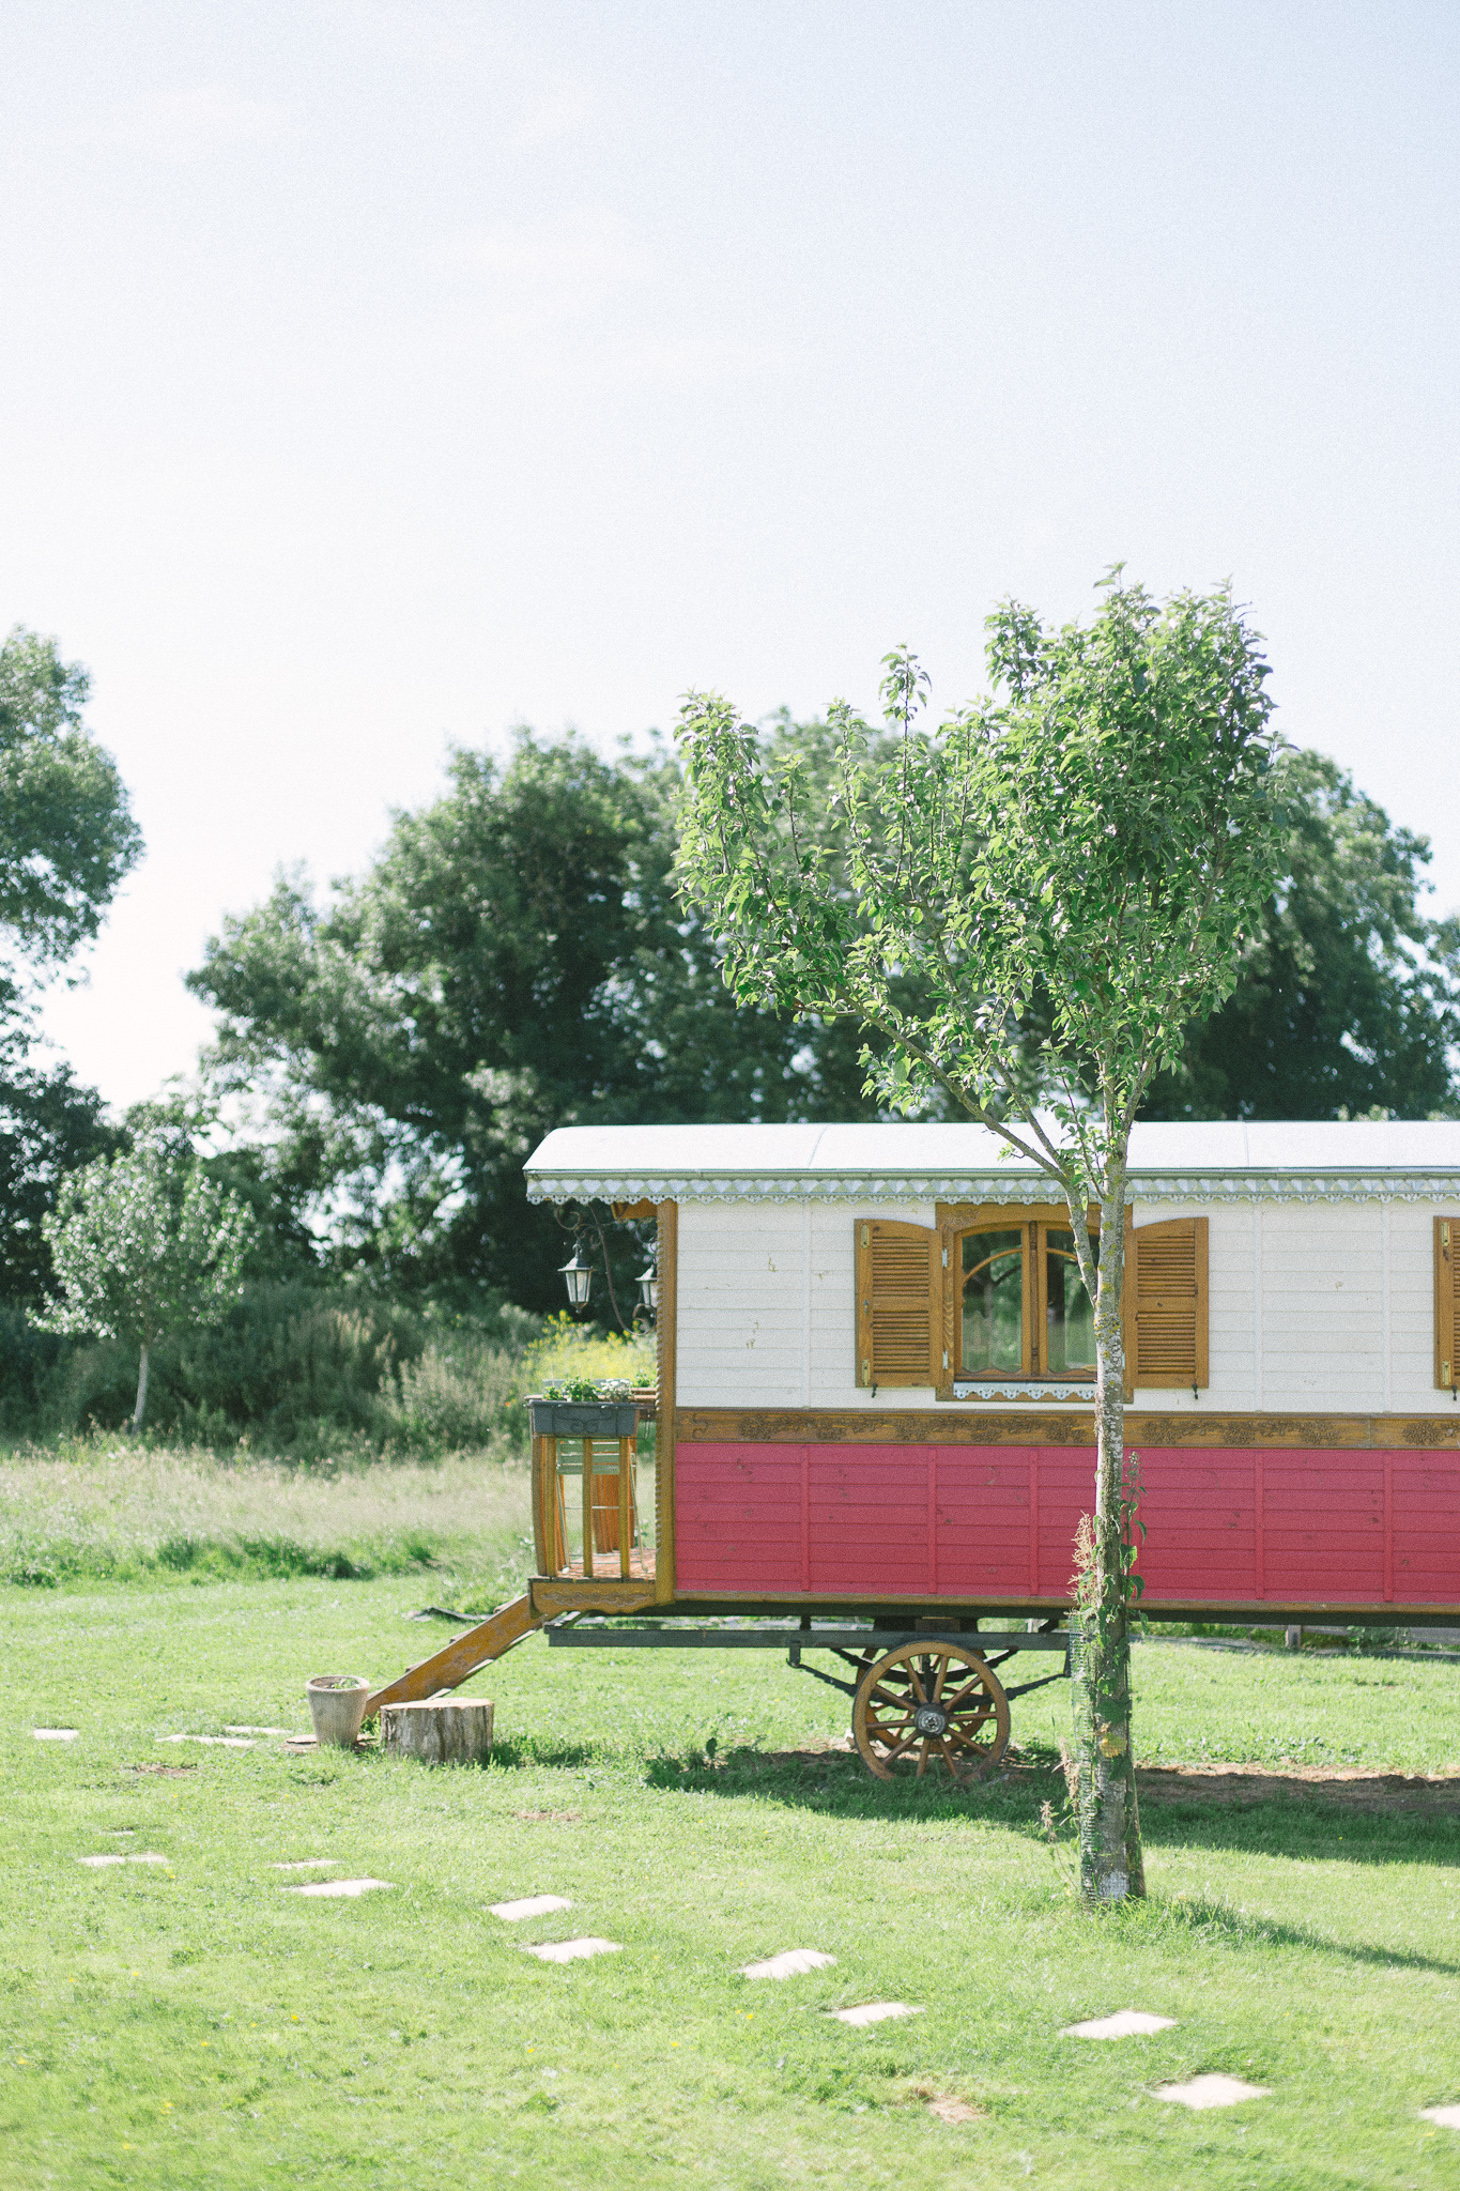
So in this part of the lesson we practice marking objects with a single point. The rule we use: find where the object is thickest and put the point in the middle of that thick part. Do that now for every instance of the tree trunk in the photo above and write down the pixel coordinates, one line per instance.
(1105, 1785)
(141, 1408)
(439, 1731)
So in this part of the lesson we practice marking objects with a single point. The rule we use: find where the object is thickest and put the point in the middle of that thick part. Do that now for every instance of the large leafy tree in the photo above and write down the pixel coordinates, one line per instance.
(67, 837)
(145, 1245)
(50, 1125)
(516, 958)
(1348, 994)
(1099, 837)
(67, 841)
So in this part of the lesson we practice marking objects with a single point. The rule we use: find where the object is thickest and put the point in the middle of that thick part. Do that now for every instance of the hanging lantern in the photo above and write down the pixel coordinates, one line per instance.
(577, 1276)
(648, 1285)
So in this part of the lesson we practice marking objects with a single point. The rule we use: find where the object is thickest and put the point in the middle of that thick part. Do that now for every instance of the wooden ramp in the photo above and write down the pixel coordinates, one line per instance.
(460, 1658)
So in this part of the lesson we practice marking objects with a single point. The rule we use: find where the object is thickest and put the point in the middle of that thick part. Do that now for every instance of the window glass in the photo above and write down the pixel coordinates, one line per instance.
(993, 1302)
(1069, 1313)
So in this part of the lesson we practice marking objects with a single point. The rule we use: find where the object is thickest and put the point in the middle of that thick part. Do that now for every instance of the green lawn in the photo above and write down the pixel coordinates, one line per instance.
(191, 2024)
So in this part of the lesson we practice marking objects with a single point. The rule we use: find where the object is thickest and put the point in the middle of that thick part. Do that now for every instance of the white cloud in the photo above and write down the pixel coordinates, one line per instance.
(539, 272)
(185, 123)
(559, 113)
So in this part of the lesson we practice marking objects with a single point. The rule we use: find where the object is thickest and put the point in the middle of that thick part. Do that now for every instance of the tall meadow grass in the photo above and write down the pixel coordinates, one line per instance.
(109, 1508)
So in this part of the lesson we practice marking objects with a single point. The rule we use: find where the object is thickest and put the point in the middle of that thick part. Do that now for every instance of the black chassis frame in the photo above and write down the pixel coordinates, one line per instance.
(856, 1646)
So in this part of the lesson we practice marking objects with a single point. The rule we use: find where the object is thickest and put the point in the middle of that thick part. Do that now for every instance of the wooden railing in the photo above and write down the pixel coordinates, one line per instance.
(604, 1506)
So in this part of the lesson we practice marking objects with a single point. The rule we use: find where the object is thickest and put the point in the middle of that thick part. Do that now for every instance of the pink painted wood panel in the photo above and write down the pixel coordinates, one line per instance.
(1290, 1527)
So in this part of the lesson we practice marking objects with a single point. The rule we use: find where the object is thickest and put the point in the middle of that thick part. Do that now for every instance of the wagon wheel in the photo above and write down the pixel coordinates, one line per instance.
(930, 1703)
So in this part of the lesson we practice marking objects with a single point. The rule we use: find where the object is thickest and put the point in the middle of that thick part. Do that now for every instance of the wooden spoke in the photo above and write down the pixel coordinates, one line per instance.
(886, 1696)
(930, 1704)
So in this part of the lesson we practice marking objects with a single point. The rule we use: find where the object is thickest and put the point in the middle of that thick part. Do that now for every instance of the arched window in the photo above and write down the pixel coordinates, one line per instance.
(1023, 1310)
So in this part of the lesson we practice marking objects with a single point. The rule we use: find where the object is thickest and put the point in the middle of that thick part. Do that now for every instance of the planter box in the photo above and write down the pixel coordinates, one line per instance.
(584, 1418)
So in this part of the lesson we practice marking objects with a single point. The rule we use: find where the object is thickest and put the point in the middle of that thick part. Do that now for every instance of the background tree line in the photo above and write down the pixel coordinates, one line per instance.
(517, 957)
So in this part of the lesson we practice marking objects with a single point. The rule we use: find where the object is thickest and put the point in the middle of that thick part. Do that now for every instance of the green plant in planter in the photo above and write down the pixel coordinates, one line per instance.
(588, 1389)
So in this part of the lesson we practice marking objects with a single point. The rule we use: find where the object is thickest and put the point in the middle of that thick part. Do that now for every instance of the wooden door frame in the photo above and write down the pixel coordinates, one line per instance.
(666, 1335)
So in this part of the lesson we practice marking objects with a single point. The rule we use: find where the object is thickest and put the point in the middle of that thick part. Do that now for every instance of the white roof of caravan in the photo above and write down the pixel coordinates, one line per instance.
(1224, 1161)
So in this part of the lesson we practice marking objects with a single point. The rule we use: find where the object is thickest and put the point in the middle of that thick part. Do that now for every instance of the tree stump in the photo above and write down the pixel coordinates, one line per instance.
(439, 1731)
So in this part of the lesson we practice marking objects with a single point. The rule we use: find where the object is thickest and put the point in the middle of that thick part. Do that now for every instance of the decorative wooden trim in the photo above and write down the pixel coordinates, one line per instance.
(924, 1426)
(887, 1189)
(567, 1595)
(971, 1216)
(667, 1332)
(634, 1212)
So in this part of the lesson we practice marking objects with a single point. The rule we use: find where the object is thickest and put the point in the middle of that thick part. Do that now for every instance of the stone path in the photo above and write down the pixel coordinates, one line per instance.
(221, 1742)
(1126, 2023)
(874, 2012)
(794, 1963)
(573, 1951)
(532, 1905)
(338, 1889)
(1215, 2089)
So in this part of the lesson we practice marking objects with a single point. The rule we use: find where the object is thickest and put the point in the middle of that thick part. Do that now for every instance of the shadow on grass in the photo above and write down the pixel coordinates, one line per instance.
(524, 1753)
(1239, 1928)
(1355, 1819)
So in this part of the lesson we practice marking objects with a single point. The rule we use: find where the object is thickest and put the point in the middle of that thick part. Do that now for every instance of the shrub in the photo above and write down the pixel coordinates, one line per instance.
(567, 1353)
(457, 1396)
(294, 1367)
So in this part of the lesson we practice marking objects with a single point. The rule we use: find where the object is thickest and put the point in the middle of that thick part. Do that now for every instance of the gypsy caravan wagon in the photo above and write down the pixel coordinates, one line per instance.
(874, 1420)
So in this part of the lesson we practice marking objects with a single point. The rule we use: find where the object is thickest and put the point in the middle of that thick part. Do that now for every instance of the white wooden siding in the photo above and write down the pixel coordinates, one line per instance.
(1319, 1307)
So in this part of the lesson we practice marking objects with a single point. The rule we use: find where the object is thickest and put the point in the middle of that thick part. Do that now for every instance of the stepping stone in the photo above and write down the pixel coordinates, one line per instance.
(256, 1730)
(531, 1905)
(144, 1856)
(1449, 2117)
(874, 2012)
(55, 1734)
(1215, 2089)
(339, 1889)
(574, 1951)
(222, 1742)
(794, 1963)
(308, 1863)
(1126, 2023)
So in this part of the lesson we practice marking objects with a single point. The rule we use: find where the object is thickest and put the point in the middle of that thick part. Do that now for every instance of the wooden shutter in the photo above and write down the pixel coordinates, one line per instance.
(1168, 1288)
(1447, 1303)
(899, 1304)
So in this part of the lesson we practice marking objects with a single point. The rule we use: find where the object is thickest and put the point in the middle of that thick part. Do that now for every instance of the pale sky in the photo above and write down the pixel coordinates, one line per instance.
(377, 376)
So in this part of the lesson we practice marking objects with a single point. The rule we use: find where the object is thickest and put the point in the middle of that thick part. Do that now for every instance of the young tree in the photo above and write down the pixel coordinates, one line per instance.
(145, 1244)
(1098, 837)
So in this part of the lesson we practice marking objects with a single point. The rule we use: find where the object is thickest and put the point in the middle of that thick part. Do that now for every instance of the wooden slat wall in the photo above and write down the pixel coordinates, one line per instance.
(1321, 1308)
(1224, 1526)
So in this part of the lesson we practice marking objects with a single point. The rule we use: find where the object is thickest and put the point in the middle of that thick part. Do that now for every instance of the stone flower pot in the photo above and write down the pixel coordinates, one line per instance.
(583, 1418)
(337, 1707)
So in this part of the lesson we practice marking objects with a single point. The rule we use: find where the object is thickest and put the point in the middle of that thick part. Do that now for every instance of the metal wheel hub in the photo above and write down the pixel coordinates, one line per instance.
(931, 1719)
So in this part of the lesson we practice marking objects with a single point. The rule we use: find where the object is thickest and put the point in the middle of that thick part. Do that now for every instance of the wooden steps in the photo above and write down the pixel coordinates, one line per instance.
(460, 1658)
